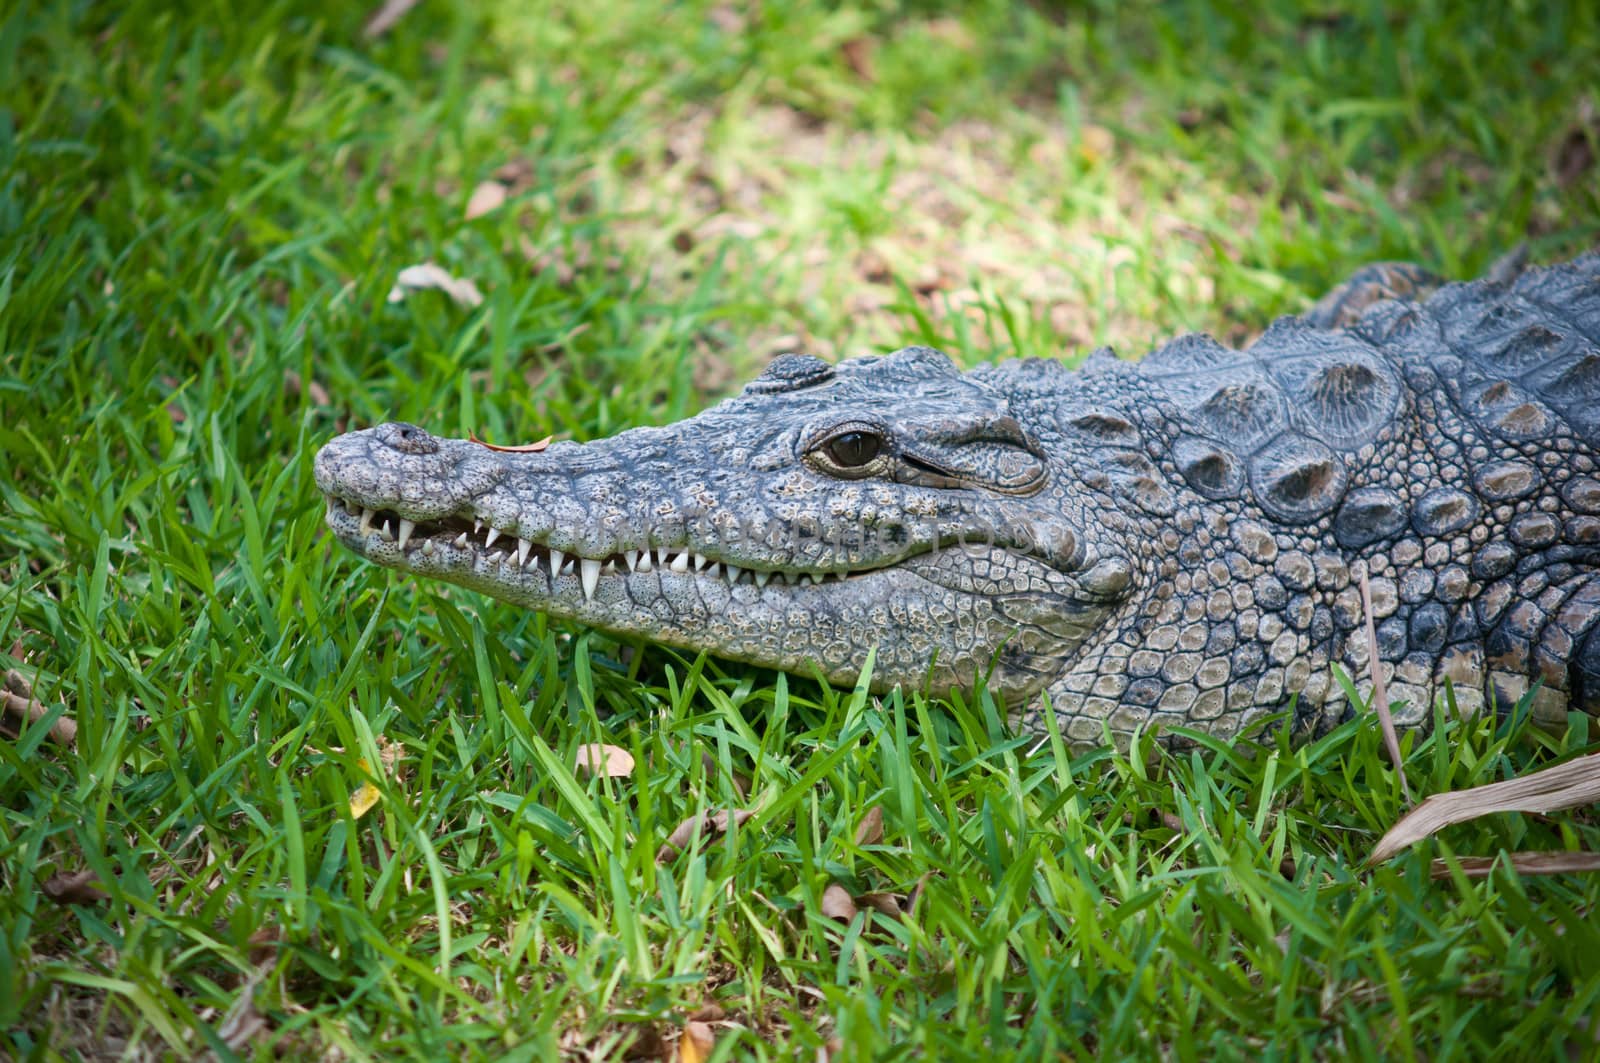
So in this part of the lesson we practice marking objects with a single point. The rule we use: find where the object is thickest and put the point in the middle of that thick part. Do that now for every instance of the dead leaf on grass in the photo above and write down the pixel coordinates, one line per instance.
(488, 197)
(264, 944)
(1561, 863)
(684, 835)
(837, 903)
(523, 448)
(383, 20)
(1577, 782)
(243, 1023)
(17, 700)
(884, 903)
(858, 55)
(870, 832)
(427, 275)
(611, 761)
(293, 386)
(1380, 692)
(697, 1043)
(367, 795)
(76, 887)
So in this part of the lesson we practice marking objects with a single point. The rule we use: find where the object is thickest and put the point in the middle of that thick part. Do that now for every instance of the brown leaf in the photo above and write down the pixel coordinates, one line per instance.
(243, 1023)
(264, 944)
(611, 761)
(648, 1043)
(1380, 692)
(78, 887)
(18, 700)
(708, 1012)
(858, 56)
(293, 386)
(697, 1043)
(489, 196)
(1577, 782)
(870, 832)
(837, 903)
(685, 833)
(883, 903)
(1558, 863)
(525, 448)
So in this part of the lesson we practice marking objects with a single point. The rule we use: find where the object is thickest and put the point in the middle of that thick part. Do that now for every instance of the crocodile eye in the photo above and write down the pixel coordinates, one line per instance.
(851, 450)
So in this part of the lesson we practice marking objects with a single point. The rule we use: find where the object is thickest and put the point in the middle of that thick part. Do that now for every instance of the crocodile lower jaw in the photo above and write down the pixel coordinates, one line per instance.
(472, 547)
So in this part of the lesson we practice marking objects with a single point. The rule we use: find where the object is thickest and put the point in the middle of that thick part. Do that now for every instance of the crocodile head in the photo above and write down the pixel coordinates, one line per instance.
(884, 504)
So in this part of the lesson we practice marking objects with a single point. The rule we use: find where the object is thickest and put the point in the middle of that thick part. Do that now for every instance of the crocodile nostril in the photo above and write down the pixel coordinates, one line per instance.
(408, 439)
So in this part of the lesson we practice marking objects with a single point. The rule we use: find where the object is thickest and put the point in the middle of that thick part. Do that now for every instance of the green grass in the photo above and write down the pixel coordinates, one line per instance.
(200, 216)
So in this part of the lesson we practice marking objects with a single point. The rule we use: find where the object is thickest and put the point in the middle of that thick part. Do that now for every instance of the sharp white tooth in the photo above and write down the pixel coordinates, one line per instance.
(477, 525)
(523, 546)
(608, 568)
(366, 520)
(427, 547)
(632, 558)
(461, 541)
(700, 562)
(406, 528)
(591, 576)
(384, 531)
(645, 564)
(762, 577)
(814, 578)
(791, 578)
(494, 533)
(556, 559)
(663, 558)
(733, 572)
(714, 570)
(680, 563)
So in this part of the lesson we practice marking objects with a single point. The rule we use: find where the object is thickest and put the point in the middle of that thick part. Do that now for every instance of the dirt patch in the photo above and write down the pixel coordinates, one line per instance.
(852, 233)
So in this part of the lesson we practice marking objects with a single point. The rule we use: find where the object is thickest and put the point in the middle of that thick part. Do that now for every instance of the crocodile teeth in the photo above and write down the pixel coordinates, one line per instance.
(461, 541)
(632, 558)
(557, 558)
(427, 547)
(814, 578)
(366, 520)
(645, 564)
(590, 575)
(680, 563)
(733, 572)
(488, 540)
(609, 568)
(523, 546)
(663, 558)
(383, 530)
(700, 562)
(714, 569)
(762, 577)
(406, 528)
(477, 525)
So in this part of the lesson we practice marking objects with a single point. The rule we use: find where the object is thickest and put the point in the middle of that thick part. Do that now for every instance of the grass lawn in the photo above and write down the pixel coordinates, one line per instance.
(202, 211)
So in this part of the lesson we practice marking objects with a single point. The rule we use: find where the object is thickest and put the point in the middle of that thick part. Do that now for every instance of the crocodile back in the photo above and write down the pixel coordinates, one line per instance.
(1446, 448)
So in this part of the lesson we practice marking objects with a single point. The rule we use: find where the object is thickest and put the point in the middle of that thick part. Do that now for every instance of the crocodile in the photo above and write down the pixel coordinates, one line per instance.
(1174, 542)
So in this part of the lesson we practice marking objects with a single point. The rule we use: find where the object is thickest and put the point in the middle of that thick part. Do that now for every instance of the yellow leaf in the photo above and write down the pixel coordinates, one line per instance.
(365, 798)
(697, 1043)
